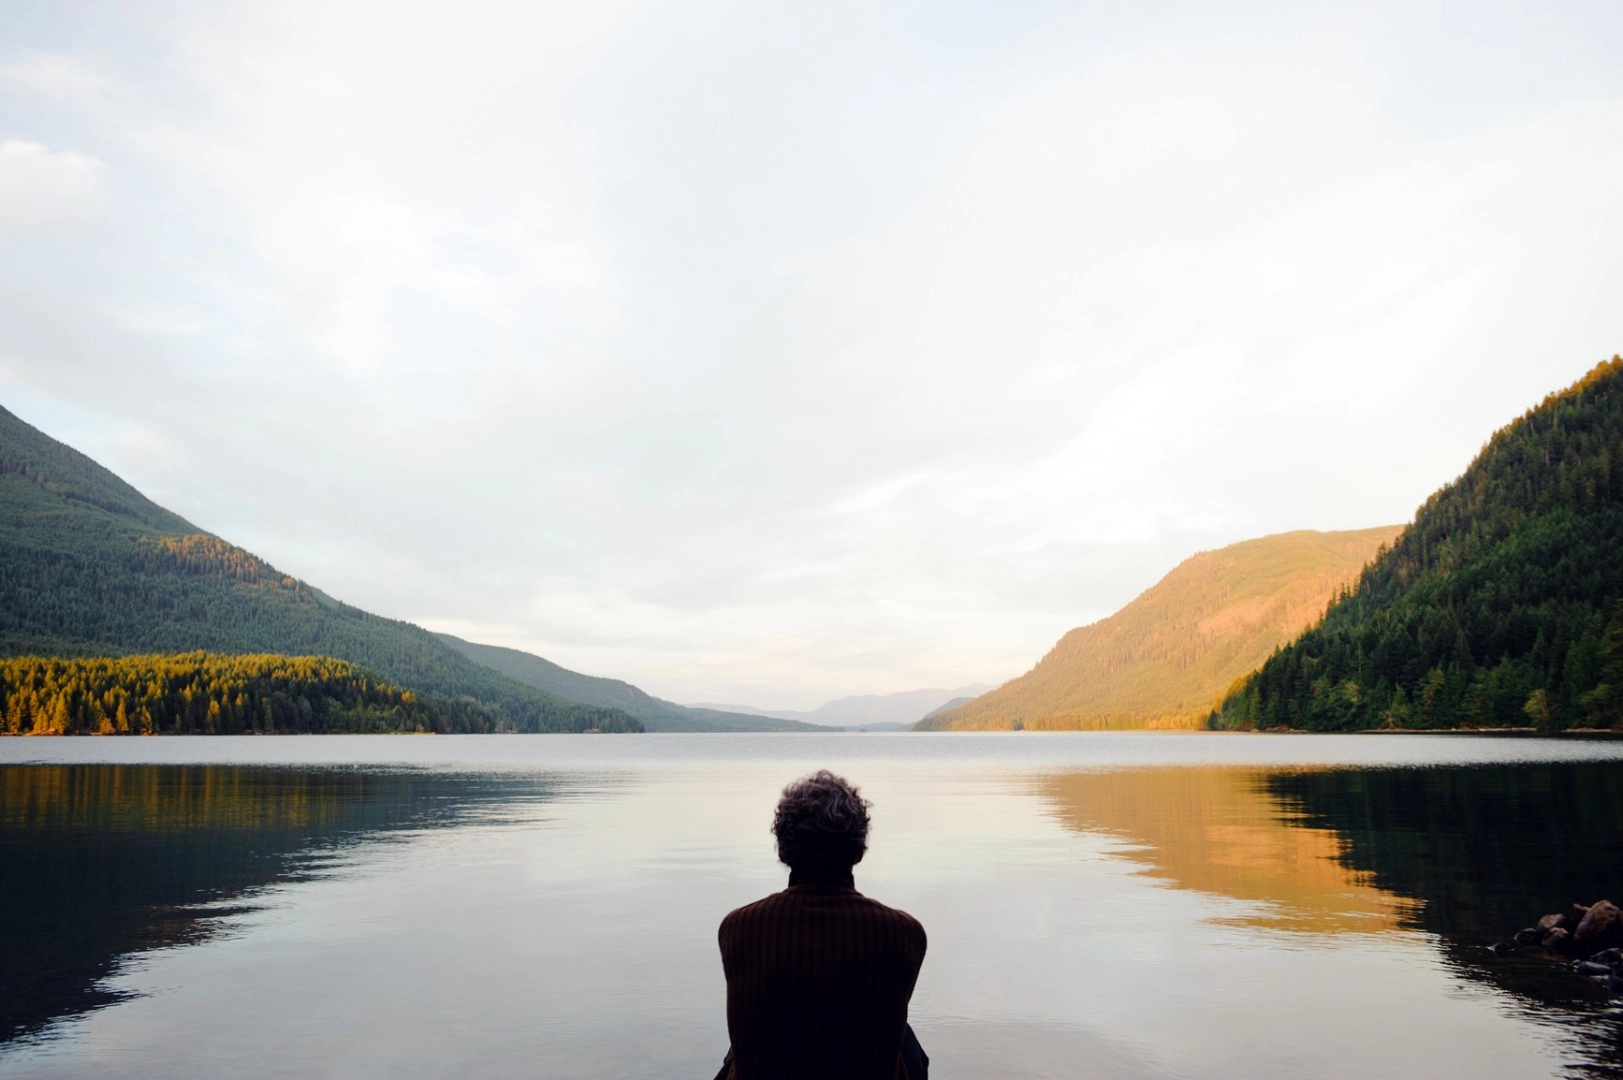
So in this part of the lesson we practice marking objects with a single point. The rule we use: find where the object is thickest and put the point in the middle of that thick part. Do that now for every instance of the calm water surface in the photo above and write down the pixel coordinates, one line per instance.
(1109, 905)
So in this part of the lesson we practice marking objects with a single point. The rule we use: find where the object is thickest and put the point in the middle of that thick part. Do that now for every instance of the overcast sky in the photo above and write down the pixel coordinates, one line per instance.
(775, 352)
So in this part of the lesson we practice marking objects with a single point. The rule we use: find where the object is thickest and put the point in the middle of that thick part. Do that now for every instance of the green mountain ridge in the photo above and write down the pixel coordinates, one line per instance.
(657, 714)
(91, 567)
(1501, 606)
(1165, 658)
(57, 469)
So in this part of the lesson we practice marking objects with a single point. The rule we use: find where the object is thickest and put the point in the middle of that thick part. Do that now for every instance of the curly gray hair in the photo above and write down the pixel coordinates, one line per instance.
(821, 823)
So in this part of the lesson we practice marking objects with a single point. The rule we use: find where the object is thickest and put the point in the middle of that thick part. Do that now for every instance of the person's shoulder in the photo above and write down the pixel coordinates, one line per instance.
(895, 916)
(744, 914)
(881, 908)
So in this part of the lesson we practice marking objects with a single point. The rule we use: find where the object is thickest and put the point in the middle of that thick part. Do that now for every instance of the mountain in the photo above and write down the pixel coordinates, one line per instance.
(876, 712)
(1502, 605)
(656, 714)
(91, 567)
(948, 706)
(1165, 659)
(903, 707)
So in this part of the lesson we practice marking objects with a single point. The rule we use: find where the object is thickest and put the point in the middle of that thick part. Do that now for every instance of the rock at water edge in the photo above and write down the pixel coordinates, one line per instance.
(1602, 926)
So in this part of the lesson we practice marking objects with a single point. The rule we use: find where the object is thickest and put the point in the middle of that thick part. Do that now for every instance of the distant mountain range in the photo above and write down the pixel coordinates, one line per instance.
(91, 567)
(656, 714)
(1165, 659)
(1501, 606)
(871, 711)
(948, 706)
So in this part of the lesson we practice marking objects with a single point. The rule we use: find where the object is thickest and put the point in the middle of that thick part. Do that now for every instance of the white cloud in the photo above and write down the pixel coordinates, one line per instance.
(40, 187)
(57, 76)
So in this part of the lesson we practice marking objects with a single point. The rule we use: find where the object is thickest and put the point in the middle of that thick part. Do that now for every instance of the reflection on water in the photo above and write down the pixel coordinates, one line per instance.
(1221, 831)
(103, 861)
(1466, 854)
(1486, 851)
(1134, 915)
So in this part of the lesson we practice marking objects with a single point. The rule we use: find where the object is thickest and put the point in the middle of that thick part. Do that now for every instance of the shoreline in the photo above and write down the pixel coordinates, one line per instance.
(1516, 732)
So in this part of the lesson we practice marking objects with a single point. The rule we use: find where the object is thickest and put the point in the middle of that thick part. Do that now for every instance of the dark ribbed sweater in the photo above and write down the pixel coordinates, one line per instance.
(818, 980)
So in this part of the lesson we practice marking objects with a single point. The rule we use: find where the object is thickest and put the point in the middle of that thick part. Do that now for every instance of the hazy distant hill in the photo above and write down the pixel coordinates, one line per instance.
(1501, 605)
(901, 709)
(656, 714)
(90, 566)
(1166, 658)
(947, 707)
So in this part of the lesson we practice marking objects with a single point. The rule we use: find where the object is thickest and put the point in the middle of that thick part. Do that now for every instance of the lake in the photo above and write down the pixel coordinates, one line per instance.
(1098, 905)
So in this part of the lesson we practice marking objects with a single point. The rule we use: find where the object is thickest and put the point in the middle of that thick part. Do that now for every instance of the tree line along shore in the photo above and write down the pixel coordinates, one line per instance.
(213, 694)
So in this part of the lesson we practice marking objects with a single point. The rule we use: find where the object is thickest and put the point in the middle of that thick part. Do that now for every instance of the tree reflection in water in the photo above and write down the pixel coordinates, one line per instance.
(1486, 850)
(1465, 854)
(104, 861)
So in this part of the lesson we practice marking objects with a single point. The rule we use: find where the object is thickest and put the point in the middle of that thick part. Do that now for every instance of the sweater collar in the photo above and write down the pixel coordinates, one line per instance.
(837, 878)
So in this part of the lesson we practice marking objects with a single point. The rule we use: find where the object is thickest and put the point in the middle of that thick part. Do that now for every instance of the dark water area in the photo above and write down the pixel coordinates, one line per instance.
(106, 861)
(1115, 905)
(1485, 850)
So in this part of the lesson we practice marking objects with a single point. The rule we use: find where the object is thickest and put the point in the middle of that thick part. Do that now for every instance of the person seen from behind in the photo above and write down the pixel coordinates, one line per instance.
(818, 975)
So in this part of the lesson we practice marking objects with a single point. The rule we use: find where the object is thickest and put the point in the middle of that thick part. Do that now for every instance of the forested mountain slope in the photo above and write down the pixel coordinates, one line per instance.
(1164, 659)
(89, 566)
(1502, 605)
(43, 477)
(656, 713)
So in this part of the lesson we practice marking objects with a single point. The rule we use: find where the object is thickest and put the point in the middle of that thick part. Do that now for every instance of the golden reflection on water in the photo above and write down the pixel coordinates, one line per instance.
(1219, 830)
(165, 797)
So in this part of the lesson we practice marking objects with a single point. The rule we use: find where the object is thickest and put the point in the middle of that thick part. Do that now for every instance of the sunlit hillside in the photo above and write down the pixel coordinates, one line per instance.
(1165, 659)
